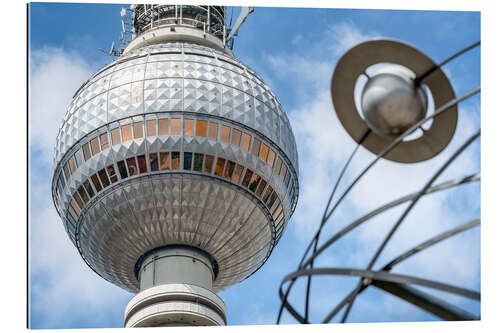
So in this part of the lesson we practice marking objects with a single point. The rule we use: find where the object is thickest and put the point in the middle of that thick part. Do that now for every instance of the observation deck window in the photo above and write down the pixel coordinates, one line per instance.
(122, 169)
(198, 162)
(246, 179)
(245, 141)
(164, 160)
(209, 161)
(176, 163)
(104, 141)
(189, 127)
(237, 174)
(261, 188)
(256, 147)
(163, 126)
(132, 167)
(112, 174)
(126, 133)
(103, 177)
(188, 159)
(153, 161)
(115, 136)
(86, 151)
(212, 130)
(94, 144)
(228, 173)
(138, 130)
(219, 167)
(224, 133)
(151, 127)
(141, 160)
(88, 187)
(264, 152)
(201, 128)
(236, 137)
(176, 126)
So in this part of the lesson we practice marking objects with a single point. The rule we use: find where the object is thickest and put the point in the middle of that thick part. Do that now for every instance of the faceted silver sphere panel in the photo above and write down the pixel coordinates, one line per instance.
(149, 212)
(176, 77)
(175, 144)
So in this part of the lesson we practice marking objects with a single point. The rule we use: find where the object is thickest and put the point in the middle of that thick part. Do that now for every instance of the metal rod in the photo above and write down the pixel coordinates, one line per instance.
(444, 62)
(425, 301)
(410, 207)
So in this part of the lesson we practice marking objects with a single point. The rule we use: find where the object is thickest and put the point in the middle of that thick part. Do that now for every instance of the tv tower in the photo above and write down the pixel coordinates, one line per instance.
(175, 168)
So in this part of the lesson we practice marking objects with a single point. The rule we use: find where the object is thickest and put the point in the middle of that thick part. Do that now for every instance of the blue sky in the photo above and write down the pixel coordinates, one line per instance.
(295, 51)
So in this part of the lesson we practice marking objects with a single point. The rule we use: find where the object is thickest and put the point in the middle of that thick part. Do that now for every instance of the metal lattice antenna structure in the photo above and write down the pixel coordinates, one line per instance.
(383, 131)
(175, 167)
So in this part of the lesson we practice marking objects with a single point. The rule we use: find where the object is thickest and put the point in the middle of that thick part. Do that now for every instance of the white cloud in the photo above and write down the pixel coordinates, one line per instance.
(55, 76)
(63, 290)
(324, 146)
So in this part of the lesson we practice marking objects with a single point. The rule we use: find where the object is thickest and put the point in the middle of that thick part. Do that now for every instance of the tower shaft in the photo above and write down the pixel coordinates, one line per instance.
(176, 290)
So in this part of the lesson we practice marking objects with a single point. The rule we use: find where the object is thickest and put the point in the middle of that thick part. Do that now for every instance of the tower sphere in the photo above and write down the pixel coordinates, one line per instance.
(175, 144)
(391, 103)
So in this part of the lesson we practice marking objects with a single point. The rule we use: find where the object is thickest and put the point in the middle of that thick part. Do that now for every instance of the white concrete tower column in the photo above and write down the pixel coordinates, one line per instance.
(175, 290)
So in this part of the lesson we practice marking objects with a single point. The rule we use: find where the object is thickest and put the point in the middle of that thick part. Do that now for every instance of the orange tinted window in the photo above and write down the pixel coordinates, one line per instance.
(164, 161)
(212, 130)
(209, 160)
(141, 159)
(224, 133)
(163, 126)
(256, 147)
(235, 139)
(245, 141)
(151, 127)
(246, 179)
(126, 133)
(176, 126)
(189, 127)
(270, 158)
(263, 152)
(262, 185)
(138, 130)
(95, 145)
(219, 167)
(237, 174)
(95, 180)
(115, 136)
(201, 128)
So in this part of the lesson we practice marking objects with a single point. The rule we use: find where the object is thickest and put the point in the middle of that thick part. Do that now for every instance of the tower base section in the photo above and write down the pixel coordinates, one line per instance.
(175, 305)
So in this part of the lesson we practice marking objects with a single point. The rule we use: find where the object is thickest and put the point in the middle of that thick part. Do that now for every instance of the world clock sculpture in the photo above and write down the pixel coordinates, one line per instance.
(396, 83)
(175, 166)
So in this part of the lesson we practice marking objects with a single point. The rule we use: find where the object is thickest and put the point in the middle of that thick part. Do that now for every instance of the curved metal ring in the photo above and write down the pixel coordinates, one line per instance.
(355, 62)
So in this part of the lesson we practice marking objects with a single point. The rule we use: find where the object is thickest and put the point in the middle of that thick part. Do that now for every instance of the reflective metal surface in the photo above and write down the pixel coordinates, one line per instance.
(391, 102)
